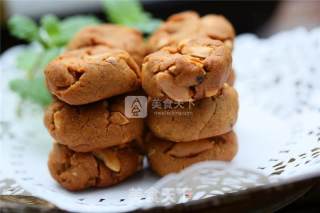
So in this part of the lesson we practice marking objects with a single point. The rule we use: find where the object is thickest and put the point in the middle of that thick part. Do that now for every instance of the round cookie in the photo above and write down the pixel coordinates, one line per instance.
(90, 74)
(113, 36)
(77, 171)
(93, 126)
(193, 70)
(189, 25)
(166, 157)
(195, 120)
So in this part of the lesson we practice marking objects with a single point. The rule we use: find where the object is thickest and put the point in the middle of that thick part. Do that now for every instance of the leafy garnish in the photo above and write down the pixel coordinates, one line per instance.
(31, 89)
(58, 33)
(27, 60)
(23, 27)
(52, 34)
(73, 24)
(50, 24)
(130, 13)
(48, 55)
(49, 40)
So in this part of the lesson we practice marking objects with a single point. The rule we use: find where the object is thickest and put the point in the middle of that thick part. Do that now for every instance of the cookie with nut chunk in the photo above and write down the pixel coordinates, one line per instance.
(189, 24)
(106, 167)
(167, 157)
(204, 118)
(91, 74)
(93, 126)
(195, 69)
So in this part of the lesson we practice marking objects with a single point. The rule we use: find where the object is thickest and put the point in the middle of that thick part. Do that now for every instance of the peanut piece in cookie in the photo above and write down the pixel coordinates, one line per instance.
(77, 171)
(193, 70)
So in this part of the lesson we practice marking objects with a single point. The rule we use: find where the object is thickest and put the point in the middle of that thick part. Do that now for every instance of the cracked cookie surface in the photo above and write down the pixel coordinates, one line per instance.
(77, 171)
(91, 74)
(202, 119)
(93, 126)
(195, 69)
(189, 25)
(167, 157)
(112, 36)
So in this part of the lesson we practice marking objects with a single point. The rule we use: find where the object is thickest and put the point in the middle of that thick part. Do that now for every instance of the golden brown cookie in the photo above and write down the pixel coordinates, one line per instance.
(76, 171)
(166, 157)
(93, 126)
(193, 70)
(113, 36)
(189, 25)
(90, 74)
(182, 122)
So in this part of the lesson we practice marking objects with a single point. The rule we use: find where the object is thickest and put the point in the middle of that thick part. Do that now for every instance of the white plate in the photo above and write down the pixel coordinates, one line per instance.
(278, 130)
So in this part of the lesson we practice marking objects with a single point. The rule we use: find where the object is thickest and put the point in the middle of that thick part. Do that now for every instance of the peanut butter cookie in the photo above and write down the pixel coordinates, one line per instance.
(193, 70)
(91, 74)
(197, 120)
(93, 126)
(101, 168)
(189, 25)
(166, 157)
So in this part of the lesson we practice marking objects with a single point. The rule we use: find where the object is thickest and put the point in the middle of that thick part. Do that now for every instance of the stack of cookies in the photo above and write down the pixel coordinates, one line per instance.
(94, 142)
(193, 107)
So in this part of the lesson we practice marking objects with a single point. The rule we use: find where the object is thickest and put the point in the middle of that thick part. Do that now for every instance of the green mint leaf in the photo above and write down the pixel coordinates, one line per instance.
(70, 26)
(27, 59)
(49, 30)
(34, 90)
(50, 24)
(147, 27)
(130, 13)
(23, 28)
(33, 61)
(53, 35)
(47, 56)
